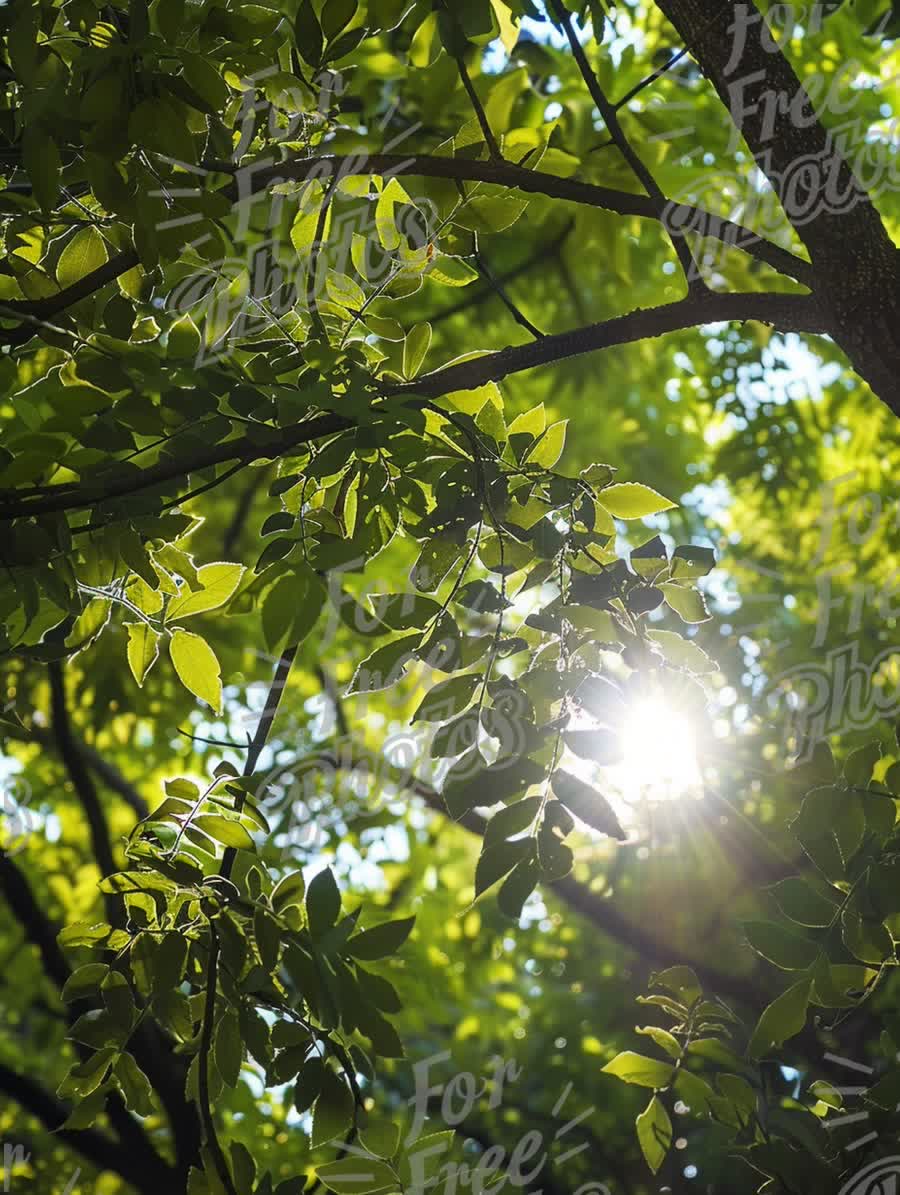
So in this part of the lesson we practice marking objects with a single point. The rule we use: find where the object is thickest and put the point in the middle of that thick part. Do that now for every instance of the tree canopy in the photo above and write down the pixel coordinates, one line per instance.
(448, 597)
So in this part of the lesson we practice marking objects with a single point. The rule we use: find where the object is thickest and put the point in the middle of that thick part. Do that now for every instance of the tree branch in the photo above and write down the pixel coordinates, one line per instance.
(507, 174)
(796, 313)
(535, 182)
(510, 275)
(610, 117)
(95, 1147)
(81, 780)
(497, 287)
(856, 265)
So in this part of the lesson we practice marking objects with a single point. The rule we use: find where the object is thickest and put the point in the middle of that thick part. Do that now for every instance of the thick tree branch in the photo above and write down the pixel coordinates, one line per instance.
(105, 772)
(39, 930)
(796, 313)
(430, 166)
(534, 182)
(855, 264)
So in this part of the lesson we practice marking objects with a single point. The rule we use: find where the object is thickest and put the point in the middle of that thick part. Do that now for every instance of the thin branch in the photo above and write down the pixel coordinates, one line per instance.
(607, 110)
(473, 299)
(657, 74)
(496, 286)
(240, 448)
(326, 680)
(257, 743)
(478, 107)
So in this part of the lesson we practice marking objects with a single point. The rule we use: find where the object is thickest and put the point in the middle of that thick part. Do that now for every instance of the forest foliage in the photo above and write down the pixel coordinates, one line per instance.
(447, 603)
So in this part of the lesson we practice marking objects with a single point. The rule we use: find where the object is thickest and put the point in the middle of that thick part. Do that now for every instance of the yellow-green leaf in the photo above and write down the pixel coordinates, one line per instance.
(83, 253)
(630, 500)
(218, 582)
(414, 349)
(197, 667)
(654, 1132)
(143, 648)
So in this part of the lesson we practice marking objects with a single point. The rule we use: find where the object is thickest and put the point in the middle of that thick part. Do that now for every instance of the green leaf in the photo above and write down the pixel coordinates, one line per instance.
(512, 820)
(517, 887)
(587, 804)
(385, 665)
(803, 904)
(224, 830)
(229, 1048)
(85, 252)
(631, 500)
(549, 446)
(601, 745)
(84, 981)
(323, 902)
(183, 339)
(681, 981)
(830, 827)
(308, 34)
(783, 1019)
(640, 1070)
(690, 562)
(197, 667)
(361, 1174)
(40, 157)
(381, 940)
(654, 1133)
(688, 604)
(482, 597)
(134, 1085)
(379, 1135)
(663, 1039)
(86, 1110)
(333, 1112)
(143, 649)
(447, 698)
(309, 1083)
(415, 346)
(291, 608)
(787, 950)
(217, 584)
(497, 861)
(682, 653)
(289, 890)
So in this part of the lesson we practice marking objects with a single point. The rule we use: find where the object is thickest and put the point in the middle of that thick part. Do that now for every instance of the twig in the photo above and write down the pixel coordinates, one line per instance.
(514, 311)
(256, 746)
(607, 110)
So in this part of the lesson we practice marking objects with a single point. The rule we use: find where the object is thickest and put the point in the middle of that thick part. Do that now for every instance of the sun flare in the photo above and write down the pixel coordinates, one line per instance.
(659, 753)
